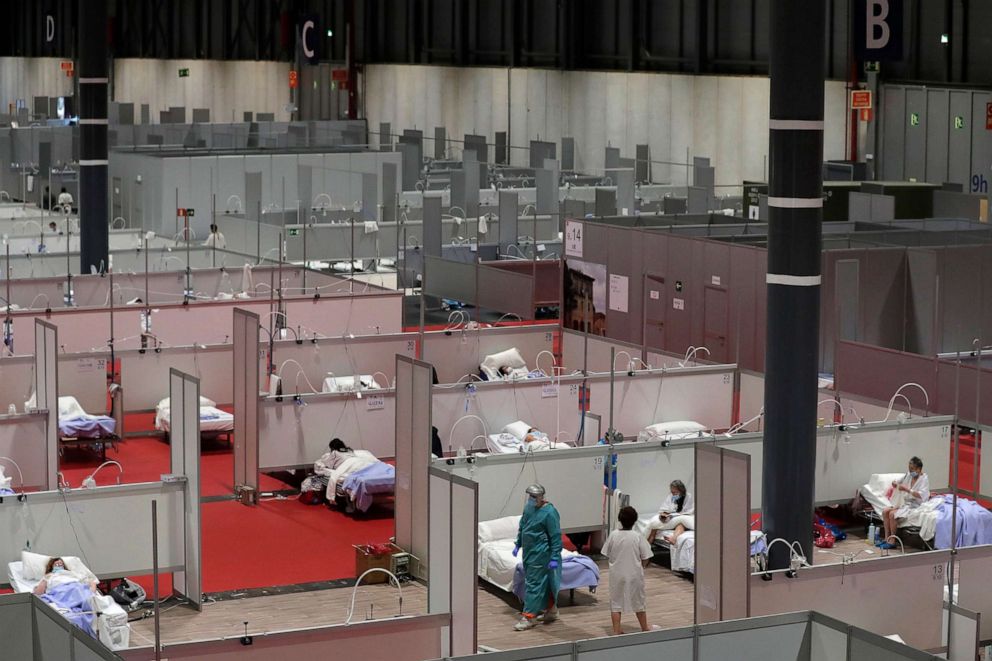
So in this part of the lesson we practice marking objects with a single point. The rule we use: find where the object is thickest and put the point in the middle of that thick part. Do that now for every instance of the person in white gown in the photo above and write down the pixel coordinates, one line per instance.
(675, 514)
(628, 553)
(908, 493)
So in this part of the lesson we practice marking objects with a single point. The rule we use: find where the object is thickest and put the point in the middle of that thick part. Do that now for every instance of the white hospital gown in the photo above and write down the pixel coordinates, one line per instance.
(626, 550)
(909, 502)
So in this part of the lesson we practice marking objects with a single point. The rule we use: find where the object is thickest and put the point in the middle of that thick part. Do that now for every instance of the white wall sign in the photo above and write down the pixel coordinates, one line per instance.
(678, 304)
(549, 390)
(375, 402)
(619, 293)
(655, 295)
(573, 239)
(715, 280)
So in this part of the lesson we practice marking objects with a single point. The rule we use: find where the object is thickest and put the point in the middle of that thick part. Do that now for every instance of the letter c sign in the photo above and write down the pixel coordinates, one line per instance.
(310, 39)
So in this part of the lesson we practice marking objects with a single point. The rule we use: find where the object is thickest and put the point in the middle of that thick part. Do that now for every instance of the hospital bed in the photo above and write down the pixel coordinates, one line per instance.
(671, 431)
(491, 367)
(214, 423)
(498, 567)
(511, 440)
(79, 428)
(362, 481)
(110, 623)
(361, 382)
(931, 521)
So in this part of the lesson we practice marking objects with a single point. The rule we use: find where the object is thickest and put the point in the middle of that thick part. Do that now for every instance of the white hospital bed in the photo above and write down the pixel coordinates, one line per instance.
(921, 521)
(111, 626)
(214, 423)
(510, 359)
(361, 382)
(671, 431)
(511, 440)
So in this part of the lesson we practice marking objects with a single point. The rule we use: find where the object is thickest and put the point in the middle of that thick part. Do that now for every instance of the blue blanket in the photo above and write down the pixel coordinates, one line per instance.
(363, 484)
(91, 426)
(73, 602)
(577, 571)
(974, 523)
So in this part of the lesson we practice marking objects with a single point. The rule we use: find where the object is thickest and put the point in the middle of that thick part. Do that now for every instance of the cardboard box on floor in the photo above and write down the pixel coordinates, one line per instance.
(366, 558)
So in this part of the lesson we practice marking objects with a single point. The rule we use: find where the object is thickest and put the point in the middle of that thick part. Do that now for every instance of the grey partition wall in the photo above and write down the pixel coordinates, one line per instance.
(184, 440)
(32, 630)
(431, 241)
(453, 547)
(46, 378)
(414, 381)
(246, 391)
(722, 479)
(508, 209)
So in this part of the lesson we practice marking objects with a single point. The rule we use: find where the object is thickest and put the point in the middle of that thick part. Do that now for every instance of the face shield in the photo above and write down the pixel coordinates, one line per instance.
(534, 495)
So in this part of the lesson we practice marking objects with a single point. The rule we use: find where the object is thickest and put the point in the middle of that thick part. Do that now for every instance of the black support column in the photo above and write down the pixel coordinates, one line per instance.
(93, 77)
(795, 212)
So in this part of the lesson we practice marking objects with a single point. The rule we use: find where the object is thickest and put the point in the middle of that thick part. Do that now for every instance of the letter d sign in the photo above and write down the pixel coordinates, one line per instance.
(878, 29)
(49, 28)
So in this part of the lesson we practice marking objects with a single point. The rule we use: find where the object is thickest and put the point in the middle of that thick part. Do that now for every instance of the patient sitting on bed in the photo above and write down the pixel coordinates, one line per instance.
(675, 514)
(907, 494)
(56, 574)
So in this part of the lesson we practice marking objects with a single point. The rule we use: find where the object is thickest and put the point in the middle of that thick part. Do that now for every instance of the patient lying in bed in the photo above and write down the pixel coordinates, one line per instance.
(69, 593)
(521, 437)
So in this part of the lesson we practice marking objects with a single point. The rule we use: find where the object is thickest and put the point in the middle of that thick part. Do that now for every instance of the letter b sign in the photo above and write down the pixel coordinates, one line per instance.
(878, 29)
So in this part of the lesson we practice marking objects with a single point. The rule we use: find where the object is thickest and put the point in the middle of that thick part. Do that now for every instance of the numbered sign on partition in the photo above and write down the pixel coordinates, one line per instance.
(375, 402)
(573, 239)
(549, 390)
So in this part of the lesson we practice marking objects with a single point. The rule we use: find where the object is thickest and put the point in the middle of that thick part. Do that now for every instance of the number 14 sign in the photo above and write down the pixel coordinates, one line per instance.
(573, 239)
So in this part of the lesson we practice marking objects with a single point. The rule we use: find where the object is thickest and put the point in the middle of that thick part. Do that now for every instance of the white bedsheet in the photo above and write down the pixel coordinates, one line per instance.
(671, 431)
(212, 419)
(504, 443)
(924, 517)
(111, 624)
(362, 459)
(497, 564)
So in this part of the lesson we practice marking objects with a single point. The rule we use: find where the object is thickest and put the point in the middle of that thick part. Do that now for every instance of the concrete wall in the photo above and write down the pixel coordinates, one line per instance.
(227, 89)
(723, 117)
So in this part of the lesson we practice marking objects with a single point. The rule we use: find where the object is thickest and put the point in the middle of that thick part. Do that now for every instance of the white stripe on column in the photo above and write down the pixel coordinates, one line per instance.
(794, 125)
(793, 280)
(93, 81)
(96, 161)
(94, 121)
(795, 202)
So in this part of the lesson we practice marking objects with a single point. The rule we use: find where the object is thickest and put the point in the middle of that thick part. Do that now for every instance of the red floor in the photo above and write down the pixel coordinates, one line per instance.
(278, 542)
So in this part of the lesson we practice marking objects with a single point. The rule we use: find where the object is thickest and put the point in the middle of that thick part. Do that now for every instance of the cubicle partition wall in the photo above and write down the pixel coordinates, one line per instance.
(413, 456)
(246, 387)
(340, 356)
(32, 629)
(24, 441)
(459, 353)
(592, 353)
(184, 448)
(751, 401)
(573, 478)
(798, 636)
(485, 287)
(866, 594)
(46, 379)
(453, 522)
(973, 584)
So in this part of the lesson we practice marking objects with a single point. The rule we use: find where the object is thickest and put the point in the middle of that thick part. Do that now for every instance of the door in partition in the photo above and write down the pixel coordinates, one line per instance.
(715, 318)
(654, 311)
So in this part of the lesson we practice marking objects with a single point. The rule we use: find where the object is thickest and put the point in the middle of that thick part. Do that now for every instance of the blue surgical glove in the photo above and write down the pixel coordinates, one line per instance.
(553, 564)
(516, 550)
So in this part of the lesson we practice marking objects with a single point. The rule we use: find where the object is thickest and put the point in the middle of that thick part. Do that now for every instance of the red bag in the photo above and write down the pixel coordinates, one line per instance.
(822, 538)
(311, 497)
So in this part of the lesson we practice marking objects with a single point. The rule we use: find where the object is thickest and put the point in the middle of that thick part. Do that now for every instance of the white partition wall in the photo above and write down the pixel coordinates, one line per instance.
(340, 357)
(293, 434)
(46, 379)
(246, 396)
(867, 593)
(644, 471)
(459, 352)
(591, 353)
(573, 479)
(184, 439)
(24, 439)
(109, 528)
(751, 400)
(453, 541)
(974, 584)
(961, 631)
(414, 381)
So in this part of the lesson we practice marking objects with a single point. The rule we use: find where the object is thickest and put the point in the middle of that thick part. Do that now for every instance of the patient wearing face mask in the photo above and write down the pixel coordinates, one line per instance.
(908, 493)
(57, 574)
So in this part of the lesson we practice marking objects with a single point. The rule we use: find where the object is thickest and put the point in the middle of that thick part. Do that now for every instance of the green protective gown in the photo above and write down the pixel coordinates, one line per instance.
(539, 537)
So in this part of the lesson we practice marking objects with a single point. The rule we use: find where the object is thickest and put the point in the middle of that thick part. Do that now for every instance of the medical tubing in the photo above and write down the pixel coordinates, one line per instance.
(485, 427)
(354, 590)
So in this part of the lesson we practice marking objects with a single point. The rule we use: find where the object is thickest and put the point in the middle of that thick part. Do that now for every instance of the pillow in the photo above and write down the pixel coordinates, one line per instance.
(674, 427)
(76, 566)
(69, 407)
(517, 430)
(33, 565)
(505, 528)
(204, 401)
(510, 358)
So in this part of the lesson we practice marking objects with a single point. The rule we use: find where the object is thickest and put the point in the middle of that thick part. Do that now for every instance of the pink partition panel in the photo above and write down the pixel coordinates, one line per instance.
(876, 372)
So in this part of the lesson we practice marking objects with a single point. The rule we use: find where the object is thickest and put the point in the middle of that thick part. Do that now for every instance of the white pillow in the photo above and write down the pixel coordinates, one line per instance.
(69, 407)
(674, 427)
(76, 566)
(517, 430)
(33, 565)
(204, 401)
(510, 358)
(505, 528)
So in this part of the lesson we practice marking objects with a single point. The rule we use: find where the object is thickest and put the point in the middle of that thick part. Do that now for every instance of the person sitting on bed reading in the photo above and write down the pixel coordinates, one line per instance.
(56, 574)
(907, 494)
(675, 514)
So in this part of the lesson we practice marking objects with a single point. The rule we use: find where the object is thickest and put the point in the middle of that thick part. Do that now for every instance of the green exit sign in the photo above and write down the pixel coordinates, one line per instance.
(914, 119)
(184, 73)
(959, 122)
(294, 231)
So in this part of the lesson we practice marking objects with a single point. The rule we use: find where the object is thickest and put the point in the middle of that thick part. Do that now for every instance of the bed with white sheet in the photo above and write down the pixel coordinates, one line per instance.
(932, 520)
(493, 366)
(511, 440)
(214, 423)
(360, 382)
(362, 480)
(498, 567)
(671, 431)
(77, 427)
(110, 623)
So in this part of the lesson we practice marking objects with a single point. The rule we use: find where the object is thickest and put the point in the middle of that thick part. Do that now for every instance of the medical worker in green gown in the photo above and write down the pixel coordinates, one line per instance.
(540, 538)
